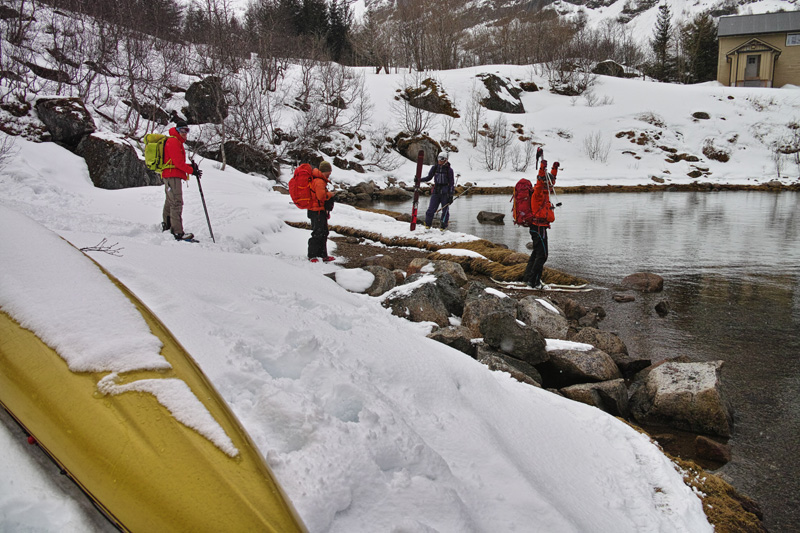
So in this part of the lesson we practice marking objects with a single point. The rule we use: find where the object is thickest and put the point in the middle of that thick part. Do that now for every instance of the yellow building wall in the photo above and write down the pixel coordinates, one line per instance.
(787, 66)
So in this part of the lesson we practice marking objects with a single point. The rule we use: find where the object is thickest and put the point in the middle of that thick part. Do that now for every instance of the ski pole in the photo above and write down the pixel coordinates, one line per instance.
(552, 187)
(203, 198)
(453, 200)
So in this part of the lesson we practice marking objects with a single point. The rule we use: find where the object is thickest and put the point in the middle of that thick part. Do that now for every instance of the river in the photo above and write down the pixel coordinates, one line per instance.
(731, 267)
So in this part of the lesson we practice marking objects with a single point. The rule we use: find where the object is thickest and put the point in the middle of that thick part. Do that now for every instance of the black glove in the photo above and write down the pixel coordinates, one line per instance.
(329, 204)
(196, 170)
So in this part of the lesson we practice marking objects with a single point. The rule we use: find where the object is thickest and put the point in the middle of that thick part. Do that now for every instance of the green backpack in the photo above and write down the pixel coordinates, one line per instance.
(154, 152)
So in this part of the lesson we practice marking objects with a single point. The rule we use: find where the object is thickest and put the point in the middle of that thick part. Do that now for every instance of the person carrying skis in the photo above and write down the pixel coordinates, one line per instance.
(443, 189)
(543, 215)
(319, 212)
(176, 171)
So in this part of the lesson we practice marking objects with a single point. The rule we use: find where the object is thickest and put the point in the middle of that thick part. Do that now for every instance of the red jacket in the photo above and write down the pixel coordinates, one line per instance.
(319, 191)
(175, 155)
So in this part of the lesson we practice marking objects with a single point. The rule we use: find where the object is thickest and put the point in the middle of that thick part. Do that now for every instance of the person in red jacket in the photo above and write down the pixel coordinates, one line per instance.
(543, 214)
(318, 213)
(176, 171)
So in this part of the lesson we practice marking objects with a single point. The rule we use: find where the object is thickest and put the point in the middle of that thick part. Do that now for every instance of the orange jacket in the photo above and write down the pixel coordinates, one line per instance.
(541, 207)
(175, 155)
(319, 191)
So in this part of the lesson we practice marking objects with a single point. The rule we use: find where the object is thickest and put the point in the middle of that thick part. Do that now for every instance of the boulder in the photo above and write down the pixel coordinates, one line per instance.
(429, 96)
(503, 332)
(66, 119)
(114, 164)
(384, 280)
(519, 370)
(606, 341)
(246, 158)
(503, 94)
(365, 187)
(394, 193)
(479, 303)
(487, 217)
(663, 308)
(206, 99)
(685, 396)
(570, 367)
(610, 396)
(448, 291)
(419, 303)
(455, 270)
(629, 365)
(544, 316)
(409, 147)
(573, 310)
(609, 68)
(385, 261)
(457, 337)
(712, 450)
(644, 282)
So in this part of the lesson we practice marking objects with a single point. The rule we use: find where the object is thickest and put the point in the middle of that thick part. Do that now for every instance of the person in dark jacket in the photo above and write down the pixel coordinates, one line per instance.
(443, 189)
(543, 214)
(318, 213)
(176, 171)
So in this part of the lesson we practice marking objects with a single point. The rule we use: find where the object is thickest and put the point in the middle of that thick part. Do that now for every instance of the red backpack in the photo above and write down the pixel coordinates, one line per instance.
(521, 209)
(300, 186)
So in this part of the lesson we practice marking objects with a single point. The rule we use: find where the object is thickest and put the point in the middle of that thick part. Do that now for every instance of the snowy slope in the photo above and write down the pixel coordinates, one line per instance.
(368, 425)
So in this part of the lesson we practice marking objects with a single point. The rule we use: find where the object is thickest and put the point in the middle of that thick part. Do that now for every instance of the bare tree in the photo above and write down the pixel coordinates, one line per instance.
(412, 119)
(495, 143)
(474, 115)
(596, 147)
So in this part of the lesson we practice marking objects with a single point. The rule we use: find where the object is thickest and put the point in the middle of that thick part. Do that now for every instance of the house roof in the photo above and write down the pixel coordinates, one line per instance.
(755, 24)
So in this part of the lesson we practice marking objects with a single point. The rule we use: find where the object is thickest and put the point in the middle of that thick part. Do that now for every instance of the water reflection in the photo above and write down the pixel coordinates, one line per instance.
(731, 263)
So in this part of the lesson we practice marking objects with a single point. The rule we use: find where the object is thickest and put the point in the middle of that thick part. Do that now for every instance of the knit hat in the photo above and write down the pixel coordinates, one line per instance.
(180, 123)
(325, 167)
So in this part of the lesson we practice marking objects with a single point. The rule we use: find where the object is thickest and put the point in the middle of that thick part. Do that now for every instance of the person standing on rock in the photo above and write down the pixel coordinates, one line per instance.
(443, 189)
(175, 172)
(319, 213)
(543, 215)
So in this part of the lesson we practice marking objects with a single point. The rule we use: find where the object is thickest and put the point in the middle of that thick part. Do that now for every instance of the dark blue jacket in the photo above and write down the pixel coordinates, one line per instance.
(443, 178)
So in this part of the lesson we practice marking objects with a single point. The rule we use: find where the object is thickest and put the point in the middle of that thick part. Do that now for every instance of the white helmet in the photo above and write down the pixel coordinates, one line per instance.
(442, 156)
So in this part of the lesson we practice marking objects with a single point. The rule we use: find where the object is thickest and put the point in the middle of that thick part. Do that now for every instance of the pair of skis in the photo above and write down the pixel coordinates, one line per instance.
(522, 286)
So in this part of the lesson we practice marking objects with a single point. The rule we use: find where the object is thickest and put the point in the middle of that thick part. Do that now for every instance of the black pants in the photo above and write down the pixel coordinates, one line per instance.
(318, 243)
(533, 272)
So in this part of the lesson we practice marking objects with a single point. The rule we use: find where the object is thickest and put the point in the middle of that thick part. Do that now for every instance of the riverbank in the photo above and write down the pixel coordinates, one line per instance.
(727, 510)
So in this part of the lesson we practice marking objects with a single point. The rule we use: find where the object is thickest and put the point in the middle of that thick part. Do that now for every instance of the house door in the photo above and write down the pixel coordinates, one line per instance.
(753, 68)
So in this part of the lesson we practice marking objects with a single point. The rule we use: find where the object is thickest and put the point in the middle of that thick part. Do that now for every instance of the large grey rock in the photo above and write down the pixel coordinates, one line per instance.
(488, 217)
(384, 280)
(246, 158)
(519, 370)
(545, 317)
(394, 193)
(503, 332)
(685, 396)
(479, 303)
(457, 337)
(610, 396)
(66, 119)
(448, 291)
(606, 341)
(206, 99)
(420, 303)
(570, 367)
(114, 164)
(451, 268)
(409, 147)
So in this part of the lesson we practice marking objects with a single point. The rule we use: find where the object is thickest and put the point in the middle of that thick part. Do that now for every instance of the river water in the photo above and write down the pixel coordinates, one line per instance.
(731, 268)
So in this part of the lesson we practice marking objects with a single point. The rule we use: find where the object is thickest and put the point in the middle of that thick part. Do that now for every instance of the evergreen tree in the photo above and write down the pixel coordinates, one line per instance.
(663, 65)
(700, 44)
(340, 23)
(312, 19)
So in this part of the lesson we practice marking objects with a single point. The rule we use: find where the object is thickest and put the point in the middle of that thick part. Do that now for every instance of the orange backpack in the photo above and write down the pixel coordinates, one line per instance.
(300, 186)
(521, 209)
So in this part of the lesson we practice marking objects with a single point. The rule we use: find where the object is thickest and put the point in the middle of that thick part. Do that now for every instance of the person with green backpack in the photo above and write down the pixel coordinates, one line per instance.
(174, 171)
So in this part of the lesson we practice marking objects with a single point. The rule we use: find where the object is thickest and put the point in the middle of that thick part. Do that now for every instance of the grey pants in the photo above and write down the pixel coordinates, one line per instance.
(173, 204)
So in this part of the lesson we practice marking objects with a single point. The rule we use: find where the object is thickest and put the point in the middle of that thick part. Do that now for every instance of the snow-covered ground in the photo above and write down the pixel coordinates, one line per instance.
(367, 424)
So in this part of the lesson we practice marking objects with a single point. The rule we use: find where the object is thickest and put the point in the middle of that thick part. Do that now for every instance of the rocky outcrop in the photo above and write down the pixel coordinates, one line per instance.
(114, 164)
(66, 119)
(246, 158)
(480, 302)
(418, 301)
(206, 99)
(384, 280)
(503, 94)
(409, 147)
(684, 396)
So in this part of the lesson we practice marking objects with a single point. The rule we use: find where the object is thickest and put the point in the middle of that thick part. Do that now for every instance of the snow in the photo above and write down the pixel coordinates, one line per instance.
(355, 279)
(367, 424)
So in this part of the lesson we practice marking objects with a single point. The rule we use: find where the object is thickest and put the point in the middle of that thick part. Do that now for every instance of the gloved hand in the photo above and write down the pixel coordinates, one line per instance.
(196, 170)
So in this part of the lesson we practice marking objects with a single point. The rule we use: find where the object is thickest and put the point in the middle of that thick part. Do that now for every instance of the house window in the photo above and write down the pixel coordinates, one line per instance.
(793, 39)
